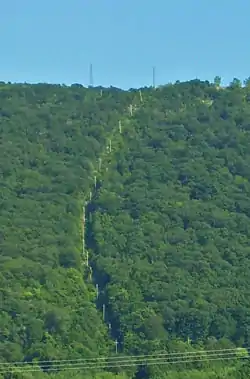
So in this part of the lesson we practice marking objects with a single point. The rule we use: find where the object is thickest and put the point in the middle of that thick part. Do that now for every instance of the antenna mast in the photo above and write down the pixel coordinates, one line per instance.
(91, 80)
(154, 77)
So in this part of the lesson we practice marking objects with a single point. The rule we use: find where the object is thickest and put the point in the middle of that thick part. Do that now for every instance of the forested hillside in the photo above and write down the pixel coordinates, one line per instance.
(161, 261)
(51, 138)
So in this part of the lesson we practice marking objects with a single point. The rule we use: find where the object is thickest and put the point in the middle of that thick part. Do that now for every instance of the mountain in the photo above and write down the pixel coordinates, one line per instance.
(124, 229)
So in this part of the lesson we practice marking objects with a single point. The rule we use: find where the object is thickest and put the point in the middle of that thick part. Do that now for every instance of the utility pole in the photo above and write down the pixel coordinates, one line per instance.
(90, 272)
(103, 312)
(90, 195)
(83, 244)
(97, 290)
(116, 346)
(87, 258)
(131, 110)
(120, 126)
(83, 230)
(95, 181)
(110, 147)
(140, 96)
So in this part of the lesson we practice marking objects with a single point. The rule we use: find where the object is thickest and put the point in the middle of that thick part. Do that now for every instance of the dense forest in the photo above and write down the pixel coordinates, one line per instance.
(124, 231)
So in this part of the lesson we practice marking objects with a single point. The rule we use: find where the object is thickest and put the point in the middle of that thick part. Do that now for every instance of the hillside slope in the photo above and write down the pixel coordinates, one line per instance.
(171, 226)
(163, 176)
(174, 239)
(51, 138)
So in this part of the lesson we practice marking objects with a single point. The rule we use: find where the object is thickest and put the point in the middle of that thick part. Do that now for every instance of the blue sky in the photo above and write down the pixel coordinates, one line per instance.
(55, 40)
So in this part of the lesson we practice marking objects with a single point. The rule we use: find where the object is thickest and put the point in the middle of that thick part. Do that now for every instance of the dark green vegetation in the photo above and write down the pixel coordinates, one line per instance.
(167, 226)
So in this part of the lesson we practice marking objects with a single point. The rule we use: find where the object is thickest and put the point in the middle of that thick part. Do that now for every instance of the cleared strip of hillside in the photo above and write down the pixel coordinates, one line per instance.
(51, 139)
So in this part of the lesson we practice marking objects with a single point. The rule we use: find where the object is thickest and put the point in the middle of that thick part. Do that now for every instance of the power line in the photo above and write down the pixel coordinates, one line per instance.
(235, 349)
(124, 363)
(177, 358)
(135, 357)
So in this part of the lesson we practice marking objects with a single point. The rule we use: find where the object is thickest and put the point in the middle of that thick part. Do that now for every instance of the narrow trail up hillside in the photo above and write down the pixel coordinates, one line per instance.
(114, 142)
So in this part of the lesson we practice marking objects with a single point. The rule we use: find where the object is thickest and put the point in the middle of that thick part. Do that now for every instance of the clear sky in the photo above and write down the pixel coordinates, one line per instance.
(56, 40)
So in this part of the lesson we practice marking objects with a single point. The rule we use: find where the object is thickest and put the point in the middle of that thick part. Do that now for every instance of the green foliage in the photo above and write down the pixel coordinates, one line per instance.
(173, 242)
(51, 138)
(166, 229)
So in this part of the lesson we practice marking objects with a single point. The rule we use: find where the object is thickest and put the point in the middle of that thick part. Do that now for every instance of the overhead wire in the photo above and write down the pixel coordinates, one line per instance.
(158, 353)
(126, 361)
(113, 366)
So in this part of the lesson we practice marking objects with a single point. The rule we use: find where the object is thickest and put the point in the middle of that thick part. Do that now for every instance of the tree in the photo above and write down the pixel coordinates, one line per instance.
(217, 81)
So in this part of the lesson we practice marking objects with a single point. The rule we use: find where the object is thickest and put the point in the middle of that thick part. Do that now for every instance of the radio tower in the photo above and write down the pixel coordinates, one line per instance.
(154, 77)
(91, 80)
